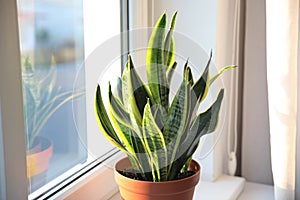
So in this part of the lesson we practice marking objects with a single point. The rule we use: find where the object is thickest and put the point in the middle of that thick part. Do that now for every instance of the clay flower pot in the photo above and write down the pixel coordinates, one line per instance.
(130, 189)
(39, 156)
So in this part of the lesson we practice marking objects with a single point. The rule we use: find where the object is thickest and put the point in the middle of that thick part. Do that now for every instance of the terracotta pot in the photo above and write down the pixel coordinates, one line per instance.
(131, 189)
(38, 158)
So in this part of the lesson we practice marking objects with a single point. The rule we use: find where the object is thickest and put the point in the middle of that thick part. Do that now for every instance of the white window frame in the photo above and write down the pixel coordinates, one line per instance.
(13, 136)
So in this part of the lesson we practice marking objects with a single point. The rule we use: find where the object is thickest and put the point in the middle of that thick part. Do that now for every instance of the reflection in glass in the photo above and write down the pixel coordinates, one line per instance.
(52, 52)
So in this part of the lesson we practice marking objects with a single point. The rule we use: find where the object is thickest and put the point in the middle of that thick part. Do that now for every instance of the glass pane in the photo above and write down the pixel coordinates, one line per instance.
(53, 50)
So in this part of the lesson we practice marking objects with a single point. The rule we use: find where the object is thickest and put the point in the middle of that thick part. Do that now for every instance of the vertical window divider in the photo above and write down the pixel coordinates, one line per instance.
(14, 147)
(124, 29)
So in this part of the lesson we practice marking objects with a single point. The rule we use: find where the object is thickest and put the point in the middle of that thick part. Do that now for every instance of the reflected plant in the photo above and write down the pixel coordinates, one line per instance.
(41, 98)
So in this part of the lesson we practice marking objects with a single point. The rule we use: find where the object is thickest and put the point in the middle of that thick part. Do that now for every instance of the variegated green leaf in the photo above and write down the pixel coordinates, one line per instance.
(104, 122)
(177, 121)
(129, 100)
(121, 120)
(200, 88)
(212, 79)
(169, 54)
(205, 123)
(136, 121)
(128, 139)
(188, 77)
(156, 70)
(117, 109)
(139, 90)
(143, 155)
(119, 89)
(170, 72)
(125, 87)
(188, 74)
(155, 143)
(132, 138)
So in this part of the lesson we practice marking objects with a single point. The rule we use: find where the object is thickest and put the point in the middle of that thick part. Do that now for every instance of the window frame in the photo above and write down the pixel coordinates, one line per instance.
(11, 104)
(13, 165)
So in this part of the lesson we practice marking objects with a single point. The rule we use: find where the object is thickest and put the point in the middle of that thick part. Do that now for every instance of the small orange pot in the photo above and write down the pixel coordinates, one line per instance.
(38, 158)
(131, 189)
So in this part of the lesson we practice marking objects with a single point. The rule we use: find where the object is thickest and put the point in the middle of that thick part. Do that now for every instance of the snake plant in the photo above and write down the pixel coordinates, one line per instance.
(158, 136)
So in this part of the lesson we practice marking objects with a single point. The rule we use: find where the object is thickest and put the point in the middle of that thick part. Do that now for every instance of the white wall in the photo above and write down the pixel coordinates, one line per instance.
(196, 19)
(256, 160)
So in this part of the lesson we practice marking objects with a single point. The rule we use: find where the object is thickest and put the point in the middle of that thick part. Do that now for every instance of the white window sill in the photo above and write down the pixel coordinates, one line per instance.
(101, 184)
(225, 188)
(253, 191)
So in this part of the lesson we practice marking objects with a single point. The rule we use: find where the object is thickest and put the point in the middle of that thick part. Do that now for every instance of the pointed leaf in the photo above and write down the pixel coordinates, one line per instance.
(125, 86)
(205, 123)
(127, 137)
(212, 79)
(156, 70)
(138, 89)
(119, 88)
(170, 72)
(104, 122)
(169, 46)
(177, 121)
(118, 109)
(155, 142)
(129, 100)
(188, 74)
(200, 88)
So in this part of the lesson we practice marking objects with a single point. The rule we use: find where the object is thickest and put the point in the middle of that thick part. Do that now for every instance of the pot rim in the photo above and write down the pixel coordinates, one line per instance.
(45, 143)
(195, 163)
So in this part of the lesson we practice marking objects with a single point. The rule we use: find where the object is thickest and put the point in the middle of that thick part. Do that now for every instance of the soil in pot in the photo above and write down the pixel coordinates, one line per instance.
(131, 173)
(181, 189)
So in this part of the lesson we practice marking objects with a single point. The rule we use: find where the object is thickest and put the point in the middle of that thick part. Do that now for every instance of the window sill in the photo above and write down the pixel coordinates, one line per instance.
(96, 184)
(250, 191)
(257, 191)
(228, 187)
(100, 184)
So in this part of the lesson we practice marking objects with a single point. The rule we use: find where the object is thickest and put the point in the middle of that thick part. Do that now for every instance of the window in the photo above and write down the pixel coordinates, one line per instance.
(52, 50)
(56, 37)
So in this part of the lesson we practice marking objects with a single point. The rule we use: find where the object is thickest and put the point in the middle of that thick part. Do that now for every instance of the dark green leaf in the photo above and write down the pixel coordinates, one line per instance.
(104, 122)
(177, 121)
(170, 72)
(138, 88)
(156, 70)
(201, 85)
(155, 143)
(205, 123)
